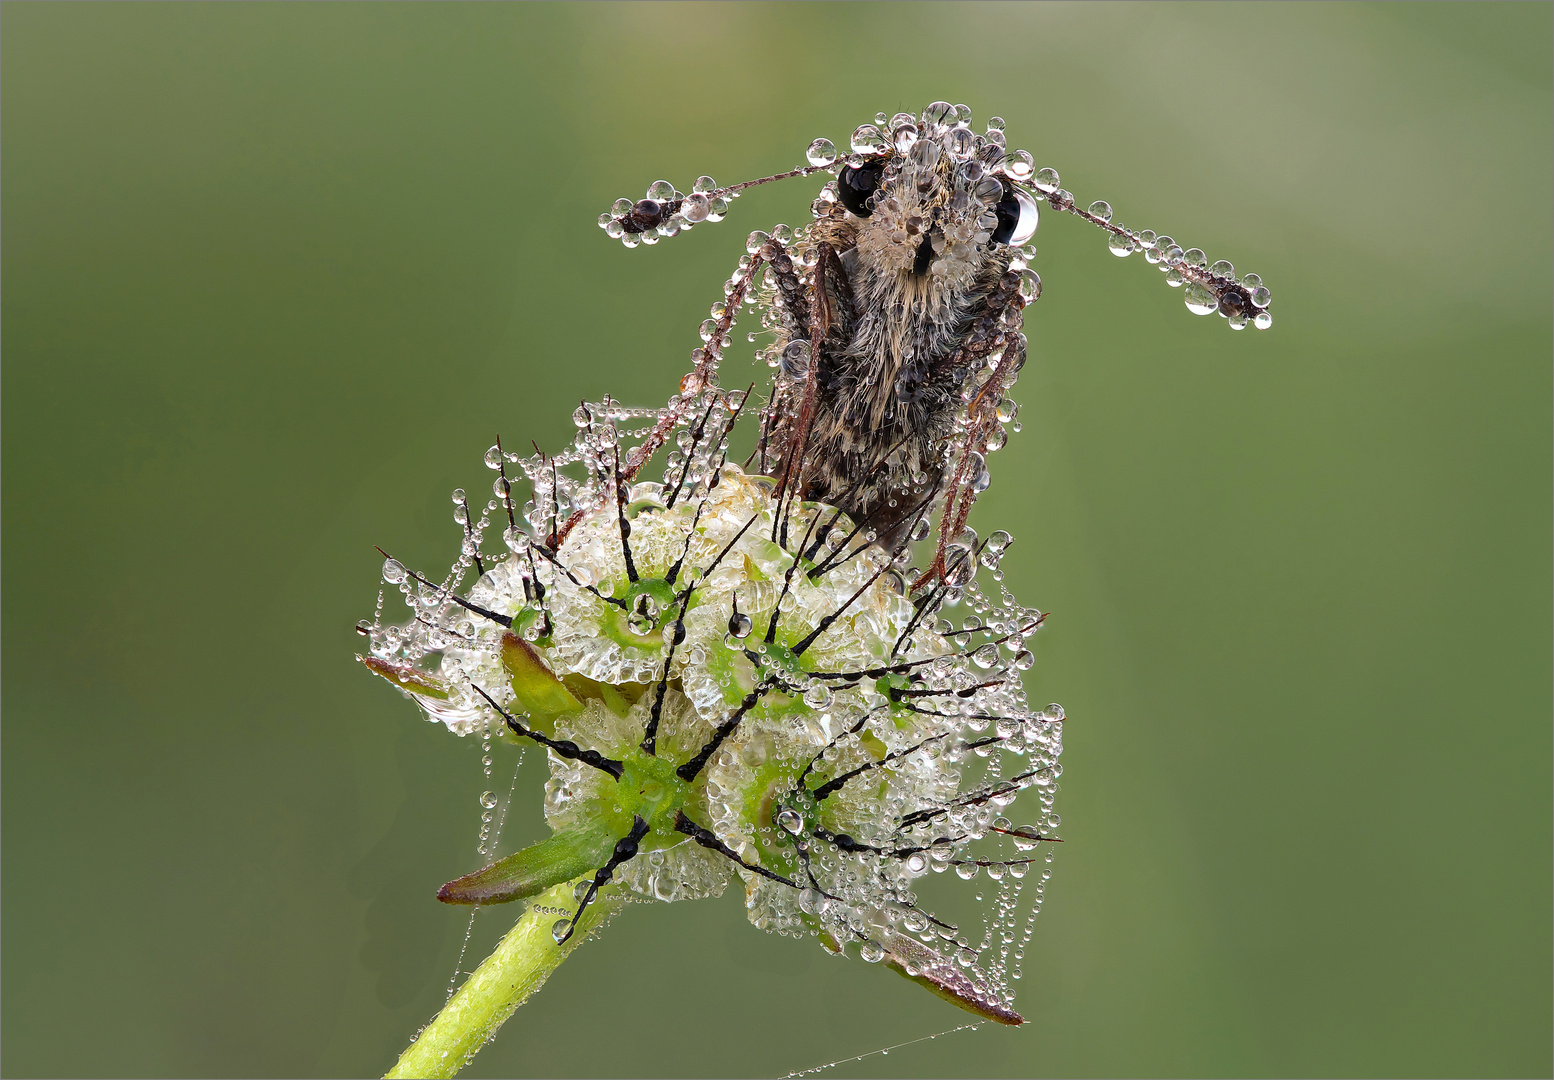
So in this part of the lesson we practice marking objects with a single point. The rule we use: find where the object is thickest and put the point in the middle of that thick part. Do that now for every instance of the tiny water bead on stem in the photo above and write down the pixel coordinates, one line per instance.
(730, 685)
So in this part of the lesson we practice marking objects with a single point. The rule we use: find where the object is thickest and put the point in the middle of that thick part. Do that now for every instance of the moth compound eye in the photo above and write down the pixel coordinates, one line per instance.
(1017, 217)
(856, 184)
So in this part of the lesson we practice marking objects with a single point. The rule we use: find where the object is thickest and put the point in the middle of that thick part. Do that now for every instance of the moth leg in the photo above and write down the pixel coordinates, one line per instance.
(822, 317)
(981, 421)
(705, 374)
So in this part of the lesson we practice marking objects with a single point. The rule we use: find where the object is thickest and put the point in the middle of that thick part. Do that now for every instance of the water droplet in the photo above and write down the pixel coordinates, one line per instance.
(393, 572)
(1046, 180)
(1101, 209)
(960, 144)
(818, 696)
(488, 799)
(795, 359)
(644, 615)
(1263, 320)
(872, 952)
(790, 820)
(560, 929)
(1199, 300)
(820, 152)
(660, 191)
(866, 139)
(939, 112)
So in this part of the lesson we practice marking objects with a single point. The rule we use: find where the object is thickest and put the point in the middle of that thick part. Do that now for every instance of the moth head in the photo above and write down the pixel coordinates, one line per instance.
(932, 199)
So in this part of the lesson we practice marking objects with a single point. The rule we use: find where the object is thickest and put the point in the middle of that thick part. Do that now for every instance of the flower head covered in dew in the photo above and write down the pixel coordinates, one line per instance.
(737, 688)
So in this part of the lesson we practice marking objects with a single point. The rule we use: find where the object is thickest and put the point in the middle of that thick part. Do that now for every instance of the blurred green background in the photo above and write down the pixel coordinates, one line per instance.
(275, 275)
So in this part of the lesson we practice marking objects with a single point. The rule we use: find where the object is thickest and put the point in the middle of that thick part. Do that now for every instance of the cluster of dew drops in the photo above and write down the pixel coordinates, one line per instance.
(1001, 618)
(1208, 288)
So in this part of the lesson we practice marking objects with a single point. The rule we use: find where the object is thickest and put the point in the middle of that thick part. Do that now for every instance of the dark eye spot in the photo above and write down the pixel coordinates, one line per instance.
(1008, 211)
(857, 183)
(1016, 218)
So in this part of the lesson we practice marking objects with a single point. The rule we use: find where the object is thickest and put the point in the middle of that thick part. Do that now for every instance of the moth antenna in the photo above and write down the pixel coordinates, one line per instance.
(666, 212)
(1207, 288)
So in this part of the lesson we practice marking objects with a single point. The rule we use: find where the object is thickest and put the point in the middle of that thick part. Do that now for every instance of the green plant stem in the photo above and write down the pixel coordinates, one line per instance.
(519, 966)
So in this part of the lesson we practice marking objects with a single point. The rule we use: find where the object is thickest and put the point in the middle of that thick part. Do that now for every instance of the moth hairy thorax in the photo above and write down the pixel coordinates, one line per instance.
(926, 249)
(896, 314)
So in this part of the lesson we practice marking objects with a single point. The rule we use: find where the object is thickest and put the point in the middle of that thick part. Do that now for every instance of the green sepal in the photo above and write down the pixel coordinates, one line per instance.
(537, 690)
(583, 688)
(407, 678)
(534, 869)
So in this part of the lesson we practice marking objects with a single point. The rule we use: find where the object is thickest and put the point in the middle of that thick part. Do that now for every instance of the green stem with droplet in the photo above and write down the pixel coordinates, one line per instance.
(519, 966)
